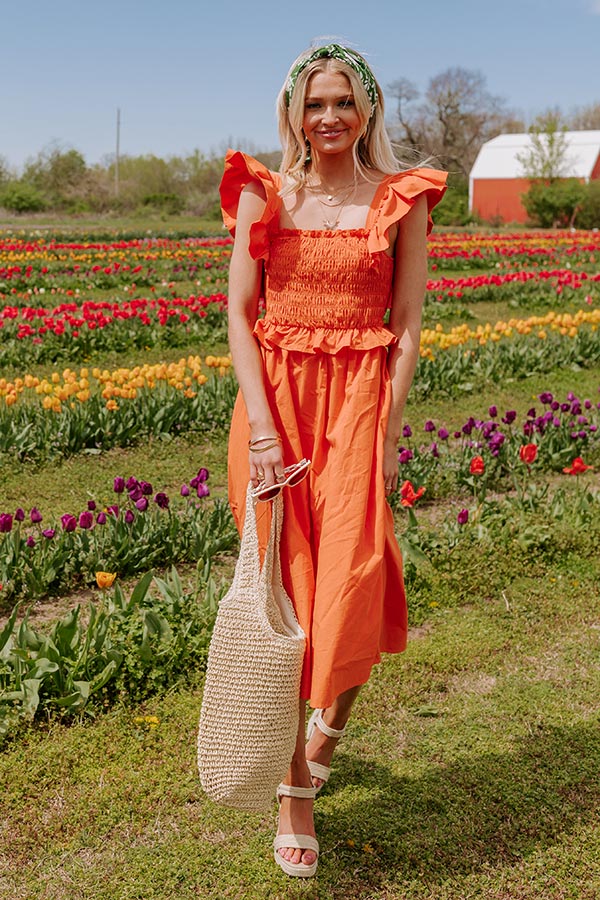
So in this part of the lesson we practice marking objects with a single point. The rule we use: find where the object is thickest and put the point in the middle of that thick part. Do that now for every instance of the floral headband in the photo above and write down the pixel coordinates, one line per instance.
(345, 55)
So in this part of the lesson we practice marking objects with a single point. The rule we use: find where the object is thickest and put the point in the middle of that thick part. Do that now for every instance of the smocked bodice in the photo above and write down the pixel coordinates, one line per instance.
(325, 290)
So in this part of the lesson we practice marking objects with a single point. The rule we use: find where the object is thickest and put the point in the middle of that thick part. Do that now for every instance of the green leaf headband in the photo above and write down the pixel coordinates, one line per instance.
(345, 55)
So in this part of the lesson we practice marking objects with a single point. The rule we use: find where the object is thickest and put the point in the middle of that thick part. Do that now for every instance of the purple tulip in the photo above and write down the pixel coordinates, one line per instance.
(131, 482)
(113, 510)
(185, 491)
(142, 504)
(19, 514)
(118, 485)
(202, 474)
(405, 456)
(6, 523)
(407, 431)
(463, 517)
(30, 541)
(554, 405)
(429, 426)
(68, 522)
(443, 434)
(203, 490)
(135, 493)
(571, 396)
(556, 422)
(593, 428)
(457, 434)
(129, 516)
(101, 518)
(545, 397)
(531, 413)
(91, 505)
(582, 420)
(49, 533)
(509, 417)
(434, 450)
(86, 519)
(587, 404)
(161, 500)
(493, 412)
(35, 515)
(565, 407)
(146, 488)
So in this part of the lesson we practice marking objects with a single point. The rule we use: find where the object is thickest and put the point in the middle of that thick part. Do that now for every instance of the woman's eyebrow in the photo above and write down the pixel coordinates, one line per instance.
(313, 97)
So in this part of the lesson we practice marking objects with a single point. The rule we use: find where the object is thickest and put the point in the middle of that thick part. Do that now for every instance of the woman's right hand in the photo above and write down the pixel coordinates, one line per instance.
(266, 466)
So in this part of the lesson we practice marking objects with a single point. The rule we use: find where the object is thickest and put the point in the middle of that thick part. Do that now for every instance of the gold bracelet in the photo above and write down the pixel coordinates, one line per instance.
(268, 437)
(262, 449)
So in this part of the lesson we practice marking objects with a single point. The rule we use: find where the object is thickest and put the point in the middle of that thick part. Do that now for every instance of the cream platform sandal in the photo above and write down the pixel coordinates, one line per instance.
(316, 769)
(297, 841)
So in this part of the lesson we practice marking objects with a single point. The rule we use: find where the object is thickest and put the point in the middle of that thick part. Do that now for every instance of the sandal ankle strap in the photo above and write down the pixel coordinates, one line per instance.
(327, 729)
(302, 793)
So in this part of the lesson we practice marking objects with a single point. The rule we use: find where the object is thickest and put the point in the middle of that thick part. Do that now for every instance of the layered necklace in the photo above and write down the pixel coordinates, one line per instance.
(332, 203)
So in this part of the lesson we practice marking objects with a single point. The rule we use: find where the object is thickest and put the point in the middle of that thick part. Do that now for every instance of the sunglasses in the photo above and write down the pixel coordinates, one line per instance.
(292, 476)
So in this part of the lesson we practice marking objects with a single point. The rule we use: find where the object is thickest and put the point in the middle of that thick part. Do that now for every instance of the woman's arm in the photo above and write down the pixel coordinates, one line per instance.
(408, 294)
(245, 275)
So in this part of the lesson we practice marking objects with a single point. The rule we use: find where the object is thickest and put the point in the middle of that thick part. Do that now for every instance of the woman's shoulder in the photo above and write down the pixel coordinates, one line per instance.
(396, 196)
(243, 171)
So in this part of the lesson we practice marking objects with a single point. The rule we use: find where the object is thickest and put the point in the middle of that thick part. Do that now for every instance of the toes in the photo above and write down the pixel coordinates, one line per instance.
(308, 857)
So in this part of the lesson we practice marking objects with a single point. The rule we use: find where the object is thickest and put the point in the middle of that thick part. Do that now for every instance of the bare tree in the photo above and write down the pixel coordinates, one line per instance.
(585, 118)
(457, 116)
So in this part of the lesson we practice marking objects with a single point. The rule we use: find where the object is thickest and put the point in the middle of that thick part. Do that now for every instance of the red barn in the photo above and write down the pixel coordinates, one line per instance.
(496, 182)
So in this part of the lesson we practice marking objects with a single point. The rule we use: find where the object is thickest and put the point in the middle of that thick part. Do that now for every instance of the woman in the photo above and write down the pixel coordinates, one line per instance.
(336, 238)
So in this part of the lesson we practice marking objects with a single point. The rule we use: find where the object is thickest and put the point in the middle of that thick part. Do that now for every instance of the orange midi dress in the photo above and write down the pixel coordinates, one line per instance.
(324, 347)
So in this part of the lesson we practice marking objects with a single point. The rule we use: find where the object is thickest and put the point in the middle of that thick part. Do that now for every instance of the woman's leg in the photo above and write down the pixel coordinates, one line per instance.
(295, 814)
(320, 747)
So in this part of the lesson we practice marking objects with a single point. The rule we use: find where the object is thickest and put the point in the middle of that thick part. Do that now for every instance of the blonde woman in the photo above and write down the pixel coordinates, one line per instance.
(336, 239)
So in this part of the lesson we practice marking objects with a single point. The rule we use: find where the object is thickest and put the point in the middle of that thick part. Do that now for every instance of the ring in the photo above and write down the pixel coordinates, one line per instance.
(280, 477)
(260, 474)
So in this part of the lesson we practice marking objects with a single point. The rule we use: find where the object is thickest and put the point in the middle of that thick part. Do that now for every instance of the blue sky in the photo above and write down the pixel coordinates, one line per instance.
(190, 74)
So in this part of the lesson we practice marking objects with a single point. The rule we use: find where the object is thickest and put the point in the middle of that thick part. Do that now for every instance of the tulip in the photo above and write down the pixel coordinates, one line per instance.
(528, 453)
(477, 466)
(463, 517)
(203, 490)
(185, 491)
(101, 518)
(30, 541)
(86, 519)
(408, 494)
(161, 500)
(105, 579)
(146, 488)
(407, 431)
(49, 533)
(113, 510)
(202, 474)
(577, 467)
(35, 515)
(19, 514)
(91, 505)
(118, 485)
(68, 522)
(142, 504)
(129, 516)
(6, 523)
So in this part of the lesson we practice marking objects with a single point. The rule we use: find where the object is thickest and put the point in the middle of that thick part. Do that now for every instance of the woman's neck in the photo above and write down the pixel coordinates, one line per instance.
(332, 172)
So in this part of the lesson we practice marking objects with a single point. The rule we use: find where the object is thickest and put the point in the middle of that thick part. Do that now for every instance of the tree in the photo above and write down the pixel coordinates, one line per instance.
(56, 172)
(547, 154)
(457, 116)
(585, 118)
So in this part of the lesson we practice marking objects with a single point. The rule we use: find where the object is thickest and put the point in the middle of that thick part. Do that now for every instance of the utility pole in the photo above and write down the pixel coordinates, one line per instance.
(117, 153)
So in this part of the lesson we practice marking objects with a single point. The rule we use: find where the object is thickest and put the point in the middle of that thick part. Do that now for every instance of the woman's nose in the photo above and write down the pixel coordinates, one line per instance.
(330, 114)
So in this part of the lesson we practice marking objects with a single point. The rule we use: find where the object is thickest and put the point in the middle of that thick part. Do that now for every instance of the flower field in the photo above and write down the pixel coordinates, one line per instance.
(113, 349)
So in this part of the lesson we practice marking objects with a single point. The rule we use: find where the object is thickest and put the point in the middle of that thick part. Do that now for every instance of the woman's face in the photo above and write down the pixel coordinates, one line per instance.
(331, 122)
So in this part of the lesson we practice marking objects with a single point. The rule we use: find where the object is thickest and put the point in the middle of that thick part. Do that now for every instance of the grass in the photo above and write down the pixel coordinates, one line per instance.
(469, 770)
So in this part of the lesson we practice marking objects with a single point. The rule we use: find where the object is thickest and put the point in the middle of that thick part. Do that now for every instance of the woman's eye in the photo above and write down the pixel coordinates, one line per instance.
(312, 105)
(346, 103)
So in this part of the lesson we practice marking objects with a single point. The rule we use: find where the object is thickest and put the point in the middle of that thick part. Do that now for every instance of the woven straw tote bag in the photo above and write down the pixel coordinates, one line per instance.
(249, 716)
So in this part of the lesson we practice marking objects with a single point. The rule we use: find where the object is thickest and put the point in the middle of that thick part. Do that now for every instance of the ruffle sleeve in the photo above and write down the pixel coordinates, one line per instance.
(240, 170)
(397, 197)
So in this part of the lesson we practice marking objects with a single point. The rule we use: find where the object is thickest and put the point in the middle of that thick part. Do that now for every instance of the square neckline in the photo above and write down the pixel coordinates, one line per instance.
(362, 231)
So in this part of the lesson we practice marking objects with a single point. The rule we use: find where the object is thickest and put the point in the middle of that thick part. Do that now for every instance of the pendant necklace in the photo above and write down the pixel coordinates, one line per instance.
(331, 202)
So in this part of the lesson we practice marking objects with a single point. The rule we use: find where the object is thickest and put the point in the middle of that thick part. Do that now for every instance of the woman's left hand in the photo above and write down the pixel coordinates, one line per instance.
(390, 466)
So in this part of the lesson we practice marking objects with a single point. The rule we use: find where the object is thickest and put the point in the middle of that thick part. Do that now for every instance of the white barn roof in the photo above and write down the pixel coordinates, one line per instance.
(498, 157)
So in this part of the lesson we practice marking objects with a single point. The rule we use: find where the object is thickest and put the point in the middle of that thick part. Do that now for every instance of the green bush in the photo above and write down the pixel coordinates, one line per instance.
(588, 215)
(552, 204)
(169, 203)
(21, 197)
(454, 208)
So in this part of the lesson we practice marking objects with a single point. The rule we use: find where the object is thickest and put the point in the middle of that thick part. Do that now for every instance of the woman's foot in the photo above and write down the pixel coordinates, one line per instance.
(321, 746)
(296, 817)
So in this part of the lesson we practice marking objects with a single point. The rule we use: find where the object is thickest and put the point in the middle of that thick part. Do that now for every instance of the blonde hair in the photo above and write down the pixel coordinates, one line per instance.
(372, 151)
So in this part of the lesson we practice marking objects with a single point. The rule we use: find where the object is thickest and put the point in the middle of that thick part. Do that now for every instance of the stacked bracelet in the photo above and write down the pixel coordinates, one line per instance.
(273, 438)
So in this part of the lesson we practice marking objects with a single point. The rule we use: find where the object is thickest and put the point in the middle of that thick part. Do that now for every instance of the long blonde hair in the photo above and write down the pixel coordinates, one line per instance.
(372, 152)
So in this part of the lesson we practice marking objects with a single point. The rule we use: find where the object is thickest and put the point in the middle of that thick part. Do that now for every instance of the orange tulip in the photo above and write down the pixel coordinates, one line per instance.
(105, 579)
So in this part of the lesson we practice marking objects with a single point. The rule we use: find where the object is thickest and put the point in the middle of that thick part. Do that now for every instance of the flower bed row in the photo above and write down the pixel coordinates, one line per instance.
(143, 528)
(79, 331)
(547, 438)
(480, 250)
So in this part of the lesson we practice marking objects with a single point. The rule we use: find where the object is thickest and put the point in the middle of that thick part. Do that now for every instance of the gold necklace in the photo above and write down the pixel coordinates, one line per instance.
(330, 196)
(332, 224)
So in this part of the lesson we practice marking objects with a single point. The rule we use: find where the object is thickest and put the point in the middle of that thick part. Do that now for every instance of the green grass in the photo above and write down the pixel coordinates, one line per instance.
(469, 770)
